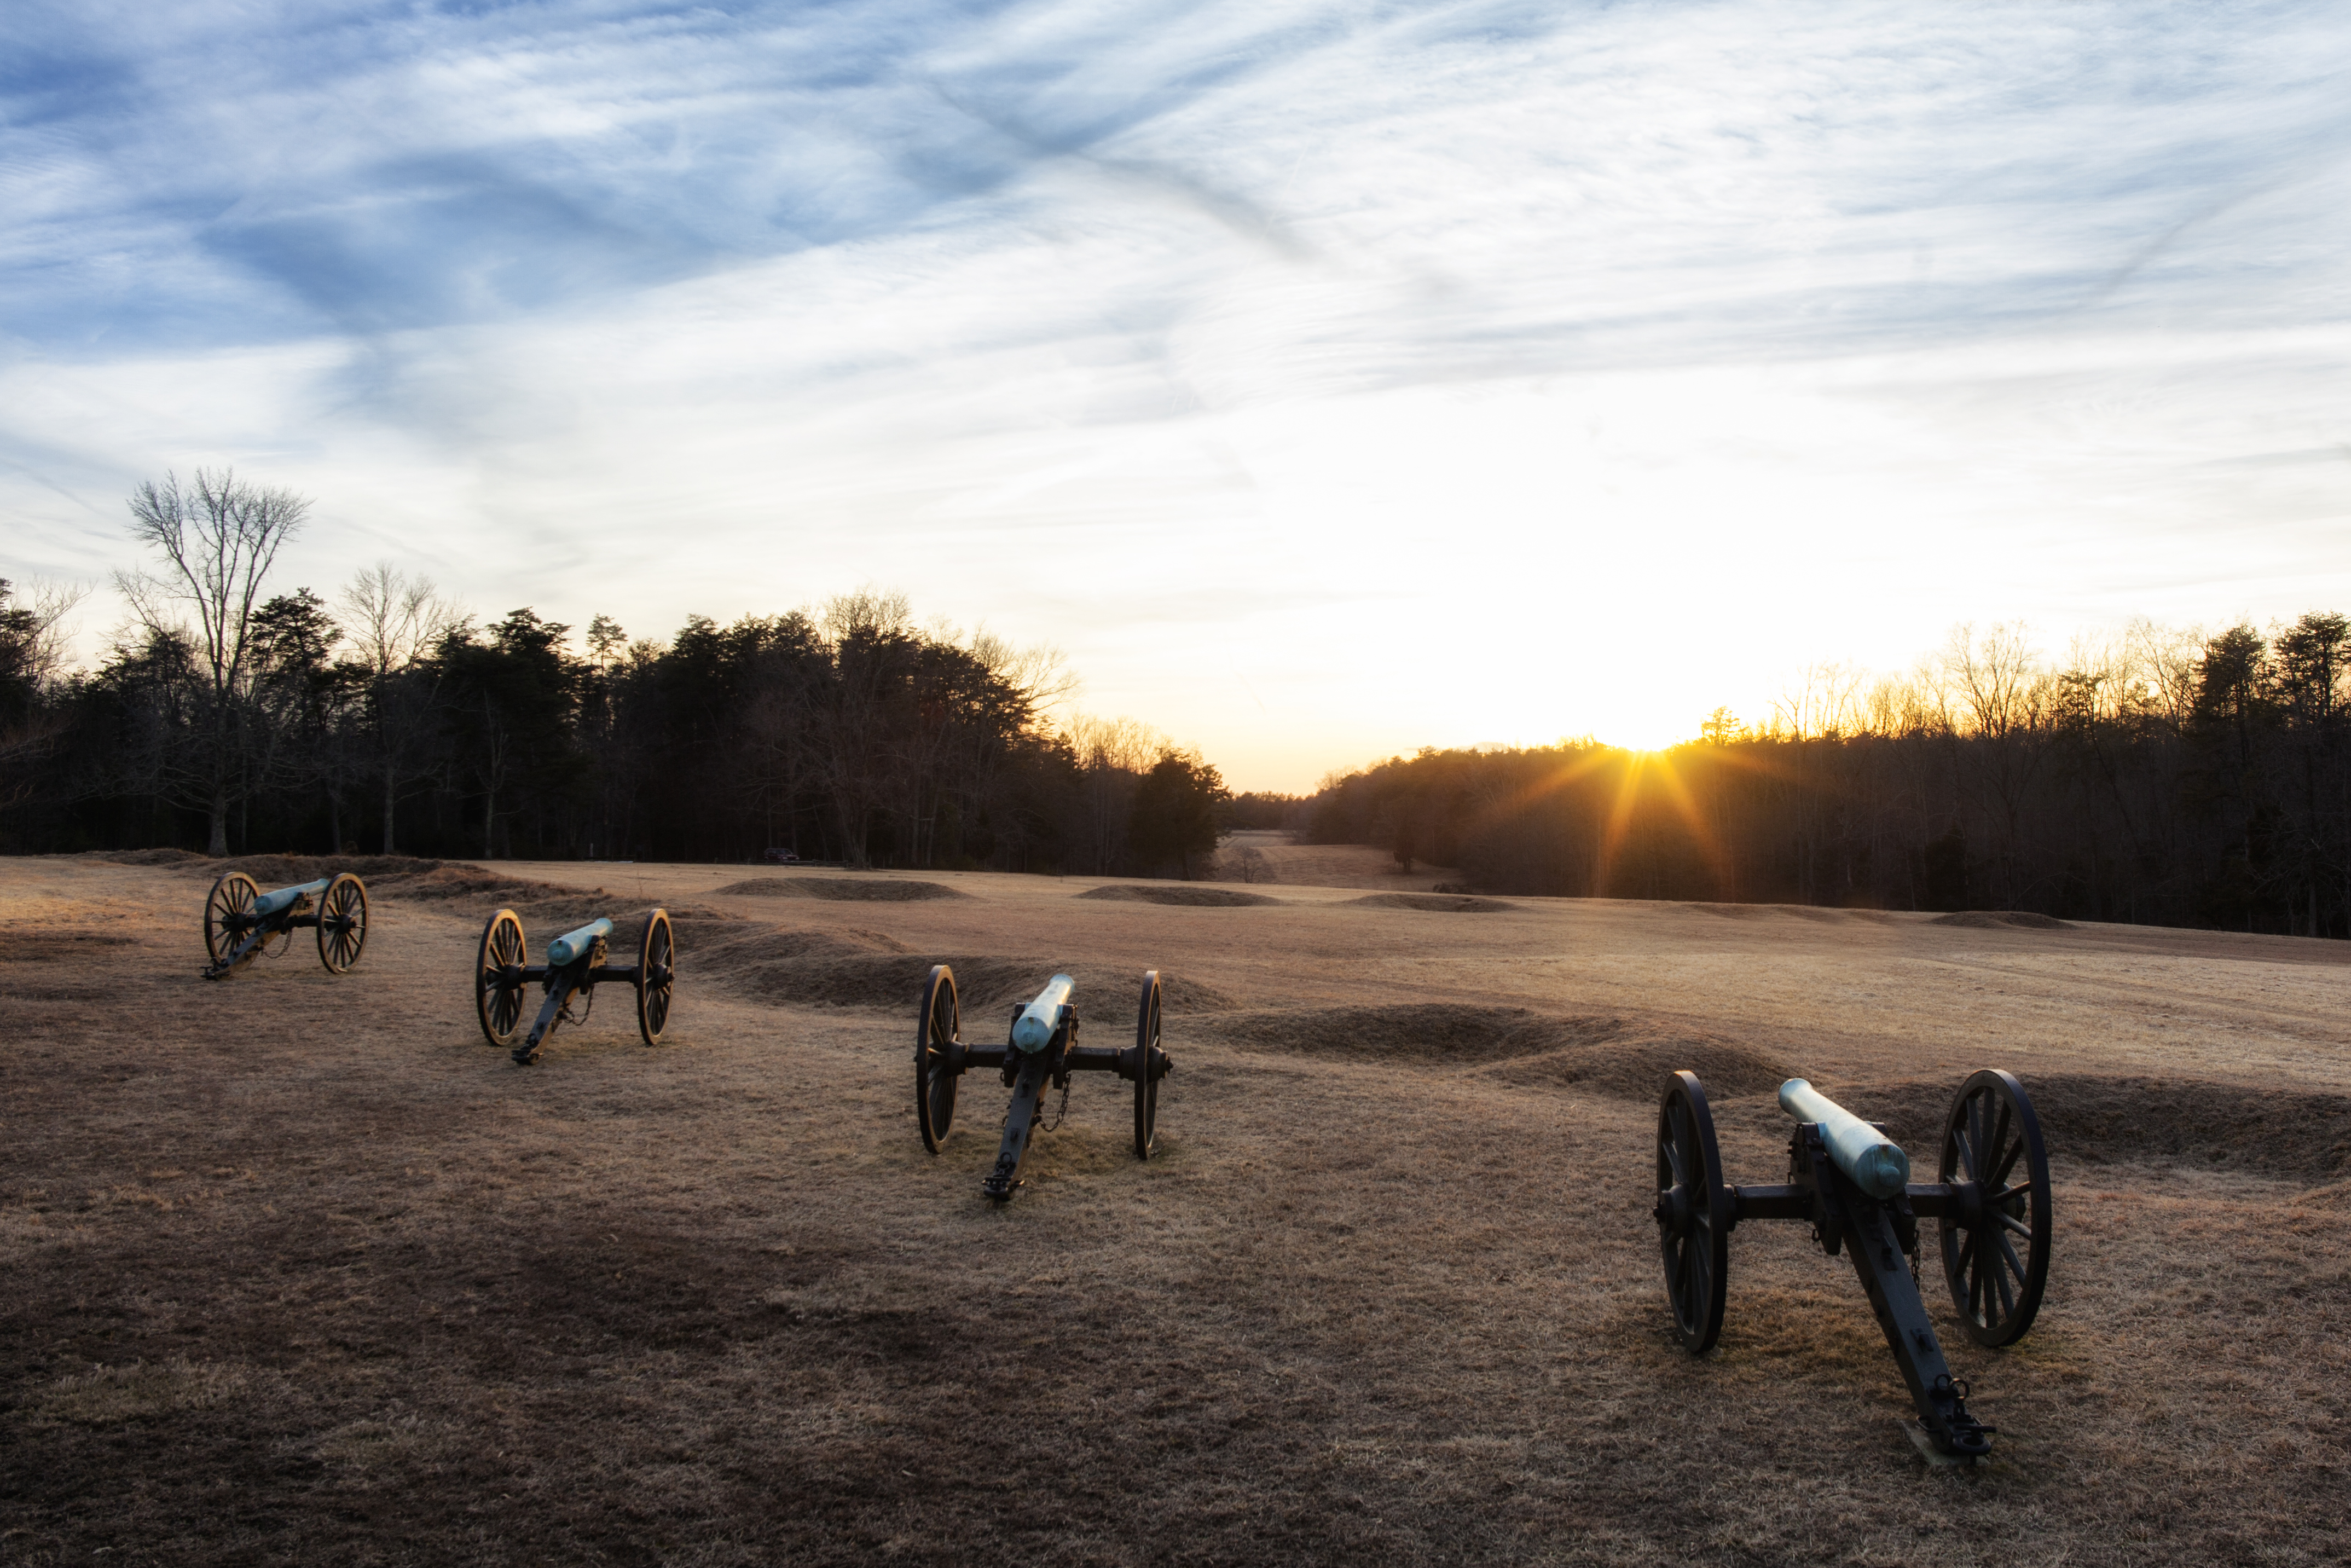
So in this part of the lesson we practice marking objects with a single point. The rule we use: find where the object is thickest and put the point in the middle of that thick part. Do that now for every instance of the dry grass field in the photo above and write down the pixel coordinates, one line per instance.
(298, 1269)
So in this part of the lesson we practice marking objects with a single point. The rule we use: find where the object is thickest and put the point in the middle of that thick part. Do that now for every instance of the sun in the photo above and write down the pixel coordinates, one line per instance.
(1637, 735)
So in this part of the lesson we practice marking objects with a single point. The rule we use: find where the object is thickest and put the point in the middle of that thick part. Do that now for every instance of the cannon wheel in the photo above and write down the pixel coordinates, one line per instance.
(233, 894)
(499, 1006)
(343, 923)
(939, 1026)
(657, 975)
(1147, 1084)
(1693, 1213)
(1992, 1128)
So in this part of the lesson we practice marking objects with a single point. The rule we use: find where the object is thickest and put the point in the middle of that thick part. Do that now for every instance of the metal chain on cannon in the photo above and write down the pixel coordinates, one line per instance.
(1060, 1112)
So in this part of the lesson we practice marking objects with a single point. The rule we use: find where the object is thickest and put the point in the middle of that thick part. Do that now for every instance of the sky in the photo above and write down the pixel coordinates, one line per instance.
(1325, 380)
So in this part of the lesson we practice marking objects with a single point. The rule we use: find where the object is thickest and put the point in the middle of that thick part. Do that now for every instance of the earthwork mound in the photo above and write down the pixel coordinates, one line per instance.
(148, 857)
(1433, 903)
(282, 871)
(869, 969)
(2002, 920)
(1635, 1063)
(848, 889)
(1425, 1031)
(2170, 1121)
(1606, 1054)
(546, 908)
(1187, 893)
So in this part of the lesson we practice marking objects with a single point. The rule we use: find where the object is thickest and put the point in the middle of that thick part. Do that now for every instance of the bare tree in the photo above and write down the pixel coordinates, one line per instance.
(872, 633)
(32, 656)
(1240, 862)
(1827, 701)
(393, 622)
(2010, 698)
(218, 541)
(1038, 673)
(2161, 664)
(1114, 754)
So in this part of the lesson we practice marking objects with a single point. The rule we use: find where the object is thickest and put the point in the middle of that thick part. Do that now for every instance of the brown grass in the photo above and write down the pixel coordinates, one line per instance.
(300, 1271)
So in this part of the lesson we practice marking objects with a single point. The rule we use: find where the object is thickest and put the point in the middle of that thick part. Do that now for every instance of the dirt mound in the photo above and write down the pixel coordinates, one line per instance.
(2002, 919)
(1189, 895)
(1635, 1063)
(149, 857)
(456, 879)
(868, 969)
(546, 908)
(2169, 1121)
(1608, 1054)
(853, 889)
(1426, 1030)
(280, 870)
(549, 909)
(1433, 903)
(285, 871)
(405, 874)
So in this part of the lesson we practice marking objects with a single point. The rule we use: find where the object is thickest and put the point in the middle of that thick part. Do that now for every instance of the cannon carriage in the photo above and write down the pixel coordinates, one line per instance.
(1989, 1203)
(1041, 1051)
(576, 962)
(240, 920)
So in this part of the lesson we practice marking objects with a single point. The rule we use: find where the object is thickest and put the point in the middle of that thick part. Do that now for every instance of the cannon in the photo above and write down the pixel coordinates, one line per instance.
(240, 919)
(1041, 1050)
(1990, 1202)
(575, 966)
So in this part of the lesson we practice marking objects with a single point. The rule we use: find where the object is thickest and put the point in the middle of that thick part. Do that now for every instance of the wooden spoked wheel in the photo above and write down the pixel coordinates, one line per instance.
(937, 1045)
(1995, 1235)
(1693, 1213)
(343, 923)
(228, 915)
(498, 978)
(1146, 1081)
(656, 974)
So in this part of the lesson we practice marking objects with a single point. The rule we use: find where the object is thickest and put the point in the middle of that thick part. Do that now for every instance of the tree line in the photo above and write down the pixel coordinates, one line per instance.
(234, 715)
(2163, 776)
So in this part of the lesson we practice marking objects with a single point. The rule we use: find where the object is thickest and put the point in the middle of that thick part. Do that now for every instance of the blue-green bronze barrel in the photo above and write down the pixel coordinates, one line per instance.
(572, 946)
(1879, 1169)
(272, 902)
(1034, 1031)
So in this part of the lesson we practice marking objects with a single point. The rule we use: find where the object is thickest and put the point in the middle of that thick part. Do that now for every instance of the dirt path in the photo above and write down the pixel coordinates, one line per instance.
(299, 1269)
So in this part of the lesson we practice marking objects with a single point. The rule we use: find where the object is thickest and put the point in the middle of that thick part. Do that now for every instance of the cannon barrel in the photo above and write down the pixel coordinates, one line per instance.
(272, 902)
(572, 946)
(1878, 1167)
(1034, 1029)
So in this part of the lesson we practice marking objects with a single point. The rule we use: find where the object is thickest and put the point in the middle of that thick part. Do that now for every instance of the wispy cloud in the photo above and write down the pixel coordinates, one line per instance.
(1272, 327)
